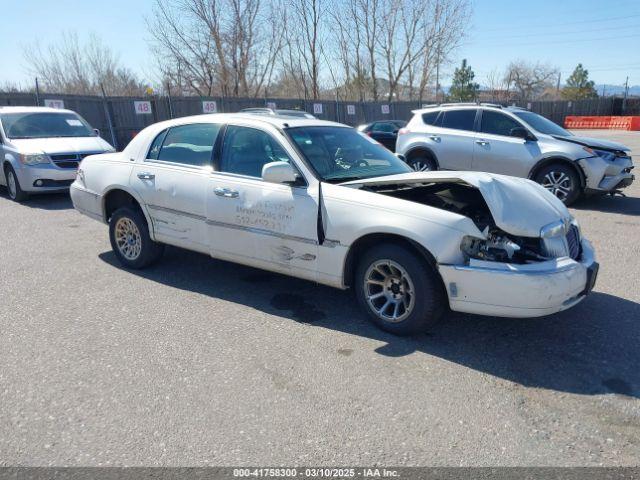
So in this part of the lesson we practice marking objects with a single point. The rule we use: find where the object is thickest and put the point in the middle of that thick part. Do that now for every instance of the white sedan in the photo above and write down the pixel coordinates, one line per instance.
(320, 201)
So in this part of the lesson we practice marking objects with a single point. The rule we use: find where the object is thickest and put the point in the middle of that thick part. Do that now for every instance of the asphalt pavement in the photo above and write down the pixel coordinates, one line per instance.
(201, 362)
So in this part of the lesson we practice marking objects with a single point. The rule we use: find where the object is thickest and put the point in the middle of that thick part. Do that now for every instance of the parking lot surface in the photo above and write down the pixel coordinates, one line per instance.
(201, 362)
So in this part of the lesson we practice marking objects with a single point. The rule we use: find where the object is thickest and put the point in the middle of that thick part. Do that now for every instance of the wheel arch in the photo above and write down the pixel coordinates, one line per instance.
(118, 196)
(562, 160)
(363, 243)
(421, 148)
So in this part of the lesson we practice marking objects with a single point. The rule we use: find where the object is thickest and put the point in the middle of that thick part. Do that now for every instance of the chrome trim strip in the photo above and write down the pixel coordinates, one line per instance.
(327, 243)
(515, 272)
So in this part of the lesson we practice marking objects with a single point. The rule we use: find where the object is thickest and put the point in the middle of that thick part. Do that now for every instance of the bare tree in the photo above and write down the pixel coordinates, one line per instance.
(71, 67)
(529, 80)
(208, 47)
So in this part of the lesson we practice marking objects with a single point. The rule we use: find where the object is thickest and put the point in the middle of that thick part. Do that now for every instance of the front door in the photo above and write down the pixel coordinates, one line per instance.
(497, 151)
(173, 183)
(250, 221)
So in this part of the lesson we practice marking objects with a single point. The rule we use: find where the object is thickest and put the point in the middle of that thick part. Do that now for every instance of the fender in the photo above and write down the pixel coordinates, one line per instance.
(562, 159)
(9, 159)
(137, 198)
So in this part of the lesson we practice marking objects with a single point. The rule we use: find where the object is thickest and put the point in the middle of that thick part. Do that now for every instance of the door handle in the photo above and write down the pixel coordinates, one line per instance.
(146, 176)
(435, 138)
(226, 192)
(482, 142)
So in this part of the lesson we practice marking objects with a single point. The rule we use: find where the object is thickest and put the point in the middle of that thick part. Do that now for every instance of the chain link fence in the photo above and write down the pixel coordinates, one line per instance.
(119, 119)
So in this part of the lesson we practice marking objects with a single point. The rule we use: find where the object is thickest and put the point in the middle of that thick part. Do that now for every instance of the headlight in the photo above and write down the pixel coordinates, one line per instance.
(494, 249)
(604, 154)
(34, 158)
(554, 229)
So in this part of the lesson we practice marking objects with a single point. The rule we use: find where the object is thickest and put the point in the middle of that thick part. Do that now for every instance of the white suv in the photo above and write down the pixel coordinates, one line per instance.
(517, 142)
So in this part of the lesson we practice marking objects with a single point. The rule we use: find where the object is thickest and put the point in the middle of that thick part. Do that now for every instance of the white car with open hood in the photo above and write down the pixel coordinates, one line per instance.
(320, 201)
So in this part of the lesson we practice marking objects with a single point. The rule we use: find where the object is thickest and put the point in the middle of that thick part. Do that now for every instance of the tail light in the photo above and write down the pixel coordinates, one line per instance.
(403, 131)
(368, 134)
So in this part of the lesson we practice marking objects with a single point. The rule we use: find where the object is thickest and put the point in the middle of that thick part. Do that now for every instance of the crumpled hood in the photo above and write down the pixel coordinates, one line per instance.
(594, 142)
(518, 206)
(52, 146)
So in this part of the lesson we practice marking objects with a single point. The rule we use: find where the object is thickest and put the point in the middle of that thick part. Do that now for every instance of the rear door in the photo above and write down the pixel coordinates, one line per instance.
(455, 138)
(497, 151)
(173, 182)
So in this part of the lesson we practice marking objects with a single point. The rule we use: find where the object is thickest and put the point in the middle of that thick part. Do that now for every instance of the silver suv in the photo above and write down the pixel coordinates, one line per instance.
(517, 142)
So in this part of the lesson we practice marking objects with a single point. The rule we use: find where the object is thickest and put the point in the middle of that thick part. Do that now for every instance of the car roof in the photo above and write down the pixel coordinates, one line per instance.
(280, 121)
(453, 106)
(33, 110)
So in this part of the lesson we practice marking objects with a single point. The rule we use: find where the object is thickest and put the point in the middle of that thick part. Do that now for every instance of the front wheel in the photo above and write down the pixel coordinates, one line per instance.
(13, 185)
(130, 240)
(561, 180)
(422, 164)
(399, 291)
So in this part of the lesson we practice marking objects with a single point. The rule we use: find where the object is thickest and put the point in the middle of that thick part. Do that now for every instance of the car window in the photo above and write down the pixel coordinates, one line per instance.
(497, 123)
(189, 144)
(430, 118)
(246, 150)
(384, 127)
(459, 119)
(154, 149)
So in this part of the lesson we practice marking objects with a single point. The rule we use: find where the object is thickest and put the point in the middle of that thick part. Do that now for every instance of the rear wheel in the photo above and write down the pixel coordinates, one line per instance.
(561, 180)
(398, 290)
(422, 162)
(13, 185)
(130, 240)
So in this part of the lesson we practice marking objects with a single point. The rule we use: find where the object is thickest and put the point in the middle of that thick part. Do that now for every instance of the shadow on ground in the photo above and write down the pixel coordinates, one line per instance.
(49, 201)
(590, 349)
(609, 204)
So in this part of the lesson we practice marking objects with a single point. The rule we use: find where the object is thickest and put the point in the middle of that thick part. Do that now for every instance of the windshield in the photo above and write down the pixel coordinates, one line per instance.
(340, 154)
(45, 125)
(542, 125)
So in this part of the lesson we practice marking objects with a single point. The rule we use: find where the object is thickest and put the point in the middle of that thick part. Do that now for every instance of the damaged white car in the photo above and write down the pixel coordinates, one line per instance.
(320, 201)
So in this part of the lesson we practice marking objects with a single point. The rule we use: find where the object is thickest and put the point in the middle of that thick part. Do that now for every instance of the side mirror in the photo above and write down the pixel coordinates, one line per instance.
(521, 132)
(279, 172)
(96, 131)
(401, 157)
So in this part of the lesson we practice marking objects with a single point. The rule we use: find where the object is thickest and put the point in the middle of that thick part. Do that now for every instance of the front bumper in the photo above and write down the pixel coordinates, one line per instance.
(44, 178)
(603, 176)
(510, 290)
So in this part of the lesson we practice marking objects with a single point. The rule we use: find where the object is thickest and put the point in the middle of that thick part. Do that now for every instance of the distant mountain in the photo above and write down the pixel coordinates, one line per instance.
(617, 90)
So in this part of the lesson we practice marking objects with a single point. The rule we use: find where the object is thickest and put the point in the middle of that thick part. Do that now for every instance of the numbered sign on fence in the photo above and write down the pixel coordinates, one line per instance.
(317, 108)
(271, 105)
(142, 108)
(385, 109)
(351, 109)
(209, 106)
(53, 103)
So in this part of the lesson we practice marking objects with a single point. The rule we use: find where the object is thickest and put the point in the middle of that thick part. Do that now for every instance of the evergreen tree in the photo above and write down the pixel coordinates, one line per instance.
(579, 86)
(463, 88)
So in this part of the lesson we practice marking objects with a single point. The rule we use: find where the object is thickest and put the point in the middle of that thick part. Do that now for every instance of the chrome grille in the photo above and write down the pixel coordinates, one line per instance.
(573, 241)
(69, 160)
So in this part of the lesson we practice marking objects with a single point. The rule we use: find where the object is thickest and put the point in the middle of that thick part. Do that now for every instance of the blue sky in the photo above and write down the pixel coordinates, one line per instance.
(603, 35)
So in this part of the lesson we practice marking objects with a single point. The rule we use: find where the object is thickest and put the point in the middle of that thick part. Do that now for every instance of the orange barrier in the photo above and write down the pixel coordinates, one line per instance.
(602, 122)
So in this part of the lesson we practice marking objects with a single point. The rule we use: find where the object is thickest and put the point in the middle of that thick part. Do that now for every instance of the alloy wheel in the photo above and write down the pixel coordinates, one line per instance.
(421, 166)
(389, 291)
(558, 183)
(11, 185)
(128, 238)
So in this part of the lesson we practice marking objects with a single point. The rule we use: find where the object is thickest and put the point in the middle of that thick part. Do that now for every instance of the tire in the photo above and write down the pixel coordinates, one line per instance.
(405, 271)
(561, 180)
(422, 162)
(130, 240)
(13, 185)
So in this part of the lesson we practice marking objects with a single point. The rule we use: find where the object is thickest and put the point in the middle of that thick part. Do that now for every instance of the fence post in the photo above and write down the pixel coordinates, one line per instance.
(37, 93)
(107, 113)
(169, 100)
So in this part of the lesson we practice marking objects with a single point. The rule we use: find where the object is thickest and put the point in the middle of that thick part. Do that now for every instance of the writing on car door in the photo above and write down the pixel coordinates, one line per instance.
(252, 221)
